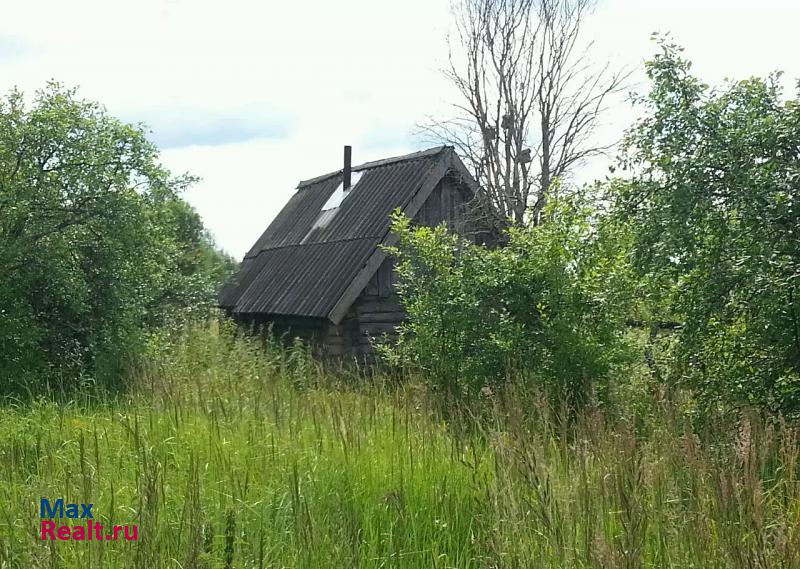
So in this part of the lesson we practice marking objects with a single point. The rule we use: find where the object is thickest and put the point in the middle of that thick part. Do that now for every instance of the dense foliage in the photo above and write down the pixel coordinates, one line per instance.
(549, 304)
(96, 247)
(714, 201)
(700, 237)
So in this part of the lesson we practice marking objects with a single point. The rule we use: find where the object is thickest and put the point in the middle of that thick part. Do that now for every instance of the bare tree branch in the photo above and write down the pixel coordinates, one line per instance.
(530, 100)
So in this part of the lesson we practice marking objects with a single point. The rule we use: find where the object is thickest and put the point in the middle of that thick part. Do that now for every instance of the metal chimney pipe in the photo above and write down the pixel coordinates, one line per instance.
(347, 170)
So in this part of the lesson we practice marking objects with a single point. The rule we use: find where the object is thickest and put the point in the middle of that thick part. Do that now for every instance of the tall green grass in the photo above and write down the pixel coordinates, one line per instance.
(228, 453)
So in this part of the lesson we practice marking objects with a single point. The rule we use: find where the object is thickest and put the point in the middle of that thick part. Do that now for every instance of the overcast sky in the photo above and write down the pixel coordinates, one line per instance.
(254, 96)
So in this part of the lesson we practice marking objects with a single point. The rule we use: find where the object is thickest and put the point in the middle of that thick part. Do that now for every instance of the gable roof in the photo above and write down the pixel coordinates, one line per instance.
(314, 263)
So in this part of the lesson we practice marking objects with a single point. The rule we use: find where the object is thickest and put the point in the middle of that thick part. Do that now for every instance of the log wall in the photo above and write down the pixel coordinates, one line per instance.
(377, 312)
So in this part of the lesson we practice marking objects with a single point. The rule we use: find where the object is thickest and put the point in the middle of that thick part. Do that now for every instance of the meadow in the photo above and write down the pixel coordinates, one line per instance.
(227, 454)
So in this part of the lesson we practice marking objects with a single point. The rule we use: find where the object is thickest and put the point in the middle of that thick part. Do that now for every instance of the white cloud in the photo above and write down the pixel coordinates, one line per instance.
(180, 126)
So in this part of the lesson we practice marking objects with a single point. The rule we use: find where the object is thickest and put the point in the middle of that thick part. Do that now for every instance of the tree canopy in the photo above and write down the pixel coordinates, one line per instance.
(96, 245)
(714, 201)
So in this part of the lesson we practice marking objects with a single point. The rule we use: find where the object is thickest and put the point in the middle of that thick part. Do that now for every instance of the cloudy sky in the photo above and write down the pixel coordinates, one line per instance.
(253, 96)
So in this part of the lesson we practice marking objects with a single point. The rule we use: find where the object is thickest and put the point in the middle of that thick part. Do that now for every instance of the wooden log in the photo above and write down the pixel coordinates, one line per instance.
(378, 329)
(390, 304)
(383, 317)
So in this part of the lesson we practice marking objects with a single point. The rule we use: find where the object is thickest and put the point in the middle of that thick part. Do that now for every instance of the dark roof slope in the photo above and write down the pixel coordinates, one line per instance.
(306, 259)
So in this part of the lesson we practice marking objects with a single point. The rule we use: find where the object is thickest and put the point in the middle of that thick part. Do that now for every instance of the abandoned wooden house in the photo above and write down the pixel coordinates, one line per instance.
(319, 272)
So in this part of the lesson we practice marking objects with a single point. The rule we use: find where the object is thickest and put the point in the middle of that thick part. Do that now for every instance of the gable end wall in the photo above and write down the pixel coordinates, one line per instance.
(377, 312)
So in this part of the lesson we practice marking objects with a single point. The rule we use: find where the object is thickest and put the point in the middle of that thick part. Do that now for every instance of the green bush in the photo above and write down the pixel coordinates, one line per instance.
(548, 305)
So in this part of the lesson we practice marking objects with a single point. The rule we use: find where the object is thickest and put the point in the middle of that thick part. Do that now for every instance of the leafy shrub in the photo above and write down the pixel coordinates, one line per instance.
(548, 304)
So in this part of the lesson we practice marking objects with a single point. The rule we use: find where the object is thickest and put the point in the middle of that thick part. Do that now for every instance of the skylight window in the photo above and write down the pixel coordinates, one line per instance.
(338, 196)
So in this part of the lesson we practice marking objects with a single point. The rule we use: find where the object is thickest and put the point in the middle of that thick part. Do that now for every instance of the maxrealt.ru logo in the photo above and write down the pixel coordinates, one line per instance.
(88, 531)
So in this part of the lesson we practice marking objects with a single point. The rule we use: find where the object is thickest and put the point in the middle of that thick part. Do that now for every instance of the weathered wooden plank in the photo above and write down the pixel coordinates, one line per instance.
(388, 317)
(370, 305)
(378, 328)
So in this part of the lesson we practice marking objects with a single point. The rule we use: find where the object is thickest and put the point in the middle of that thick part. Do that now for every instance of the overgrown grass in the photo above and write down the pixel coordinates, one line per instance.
(230, 455)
